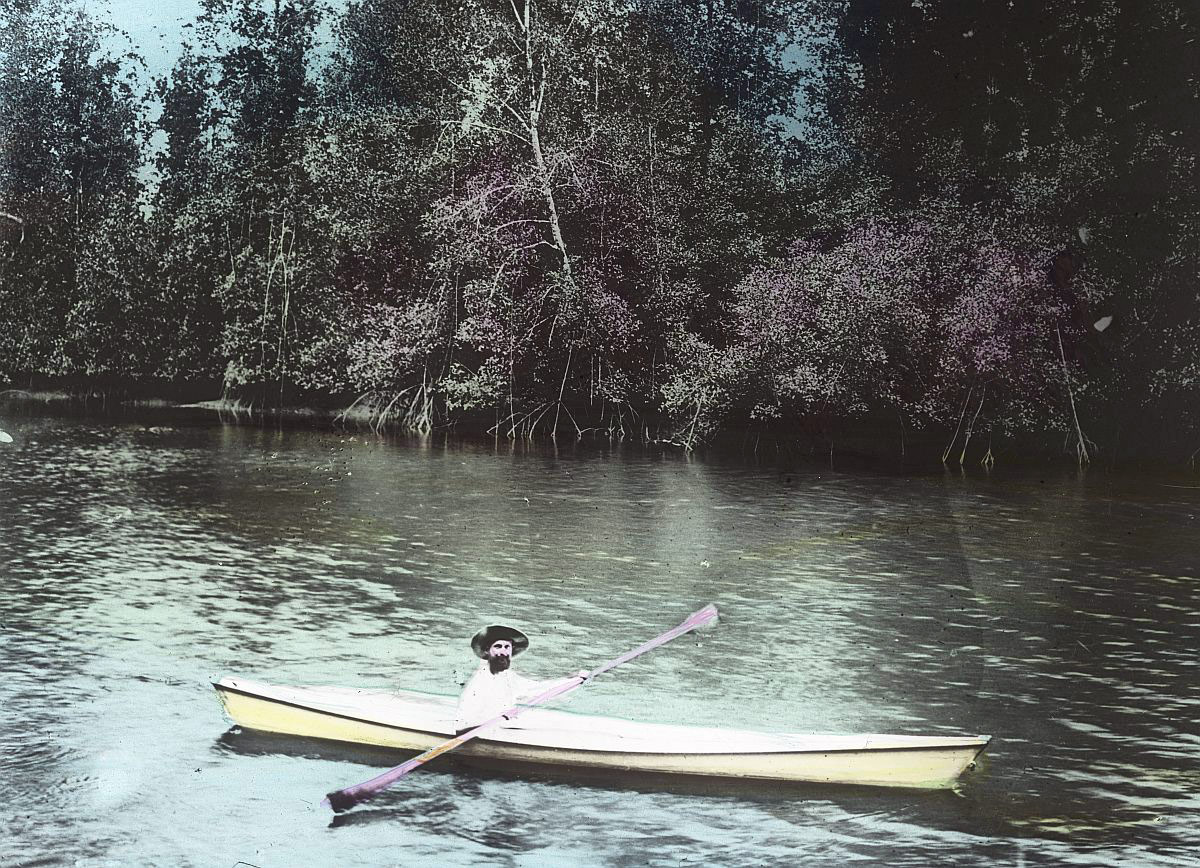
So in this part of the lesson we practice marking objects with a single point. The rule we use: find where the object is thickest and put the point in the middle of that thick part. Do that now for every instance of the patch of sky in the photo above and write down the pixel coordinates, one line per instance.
(156, 32)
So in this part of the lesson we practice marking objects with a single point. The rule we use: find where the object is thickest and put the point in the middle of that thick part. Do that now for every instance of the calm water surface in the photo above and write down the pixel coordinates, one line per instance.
(1059, 613)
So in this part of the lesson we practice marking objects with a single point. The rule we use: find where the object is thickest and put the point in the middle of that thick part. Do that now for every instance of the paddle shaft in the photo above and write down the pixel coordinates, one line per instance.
(341, 800)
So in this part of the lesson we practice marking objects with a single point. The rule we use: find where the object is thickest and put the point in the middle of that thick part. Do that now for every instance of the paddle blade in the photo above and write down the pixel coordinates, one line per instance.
(340, 800)
(712, 616)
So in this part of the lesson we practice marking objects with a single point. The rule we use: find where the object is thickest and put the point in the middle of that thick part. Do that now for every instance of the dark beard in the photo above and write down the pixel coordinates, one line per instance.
(499, 663)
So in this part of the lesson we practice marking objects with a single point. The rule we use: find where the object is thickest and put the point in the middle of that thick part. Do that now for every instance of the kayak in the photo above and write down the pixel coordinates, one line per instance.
(415, 721)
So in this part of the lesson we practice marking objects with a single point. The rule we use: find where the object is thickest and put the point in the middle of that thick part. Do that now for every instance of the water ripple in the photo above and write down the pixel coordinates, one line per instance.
(1059, 616)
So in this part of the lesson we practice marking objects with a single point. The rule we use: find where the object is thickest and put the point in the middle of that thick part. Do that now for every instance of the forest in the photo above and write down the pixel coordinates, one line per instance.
(970, 226)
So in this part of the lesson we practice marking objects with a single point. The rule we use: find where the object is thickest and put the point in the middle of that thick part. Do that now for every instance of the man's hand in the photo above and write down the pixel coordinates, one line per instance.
(584, 674)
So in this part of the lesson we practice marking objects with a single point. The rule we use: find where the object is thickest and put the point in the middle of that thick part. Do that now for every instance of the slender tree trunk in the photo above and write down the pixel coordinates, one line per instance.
(652, 147)
(561, 389)
(283, 314)
(961, 415)
(537, 93)
(962, 457)
(1081, 443)
(262, 323)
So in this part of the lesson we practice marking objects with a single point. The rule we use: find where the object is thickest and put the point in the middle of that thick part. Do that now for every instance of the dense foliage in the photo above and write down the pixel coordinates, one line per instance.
(637, 216)
(1072, 123)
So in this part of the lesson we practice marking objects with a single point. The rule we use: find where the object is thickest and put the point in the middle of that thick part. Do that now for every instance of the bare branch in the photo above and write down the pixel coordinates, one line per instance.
(535, 244)
(496, 229)
(541, 88)
(480, 197)
(571, 23)
(501, 101)
(489, 127)
(521, 120)
(14, 218)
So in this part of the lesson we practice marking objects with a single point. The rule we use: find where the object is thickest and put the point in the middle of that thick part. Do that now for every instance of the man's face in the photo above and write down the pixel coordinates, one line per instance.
(499, 655)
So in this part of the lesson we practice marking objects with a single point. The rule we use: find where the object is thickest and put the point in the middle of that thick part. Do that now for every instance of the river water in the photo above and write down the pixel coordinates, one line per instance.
(1058, 612)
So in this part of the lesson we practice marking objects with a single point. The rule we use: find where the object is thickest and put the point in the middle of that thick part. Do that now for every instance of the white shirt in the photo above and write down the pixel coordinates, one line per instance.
(486, 695)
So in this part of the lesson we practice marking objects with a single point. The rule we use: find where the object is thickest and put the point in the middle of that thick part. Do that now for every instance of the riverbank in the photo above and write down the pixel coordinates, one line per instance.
(827, 441)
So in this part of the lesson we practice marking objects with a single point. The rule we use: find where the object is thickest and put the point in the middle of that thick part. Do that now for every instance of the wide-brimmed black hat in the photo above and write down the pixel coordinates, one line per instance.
(483, 640)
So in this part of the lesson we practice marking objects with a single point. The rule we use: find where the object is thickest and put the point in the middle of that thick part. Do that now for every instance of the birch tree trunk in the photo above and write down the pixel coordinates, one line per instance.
(537, 94)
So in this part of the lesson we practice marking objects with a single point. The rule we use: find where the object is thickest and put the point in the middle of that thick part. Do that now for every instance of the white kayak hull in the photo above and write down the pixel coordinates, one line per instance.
(413, 721)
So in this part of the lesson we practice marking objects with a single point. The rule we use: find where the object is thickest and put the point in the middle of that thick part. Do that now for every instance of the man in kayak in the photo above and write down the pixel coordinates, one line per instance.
(495, 686)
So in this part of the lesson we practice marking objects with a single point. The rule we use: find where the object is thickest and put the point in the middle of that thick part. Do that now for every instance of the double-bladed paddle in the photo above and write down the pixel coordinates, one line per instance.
(342, 800)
